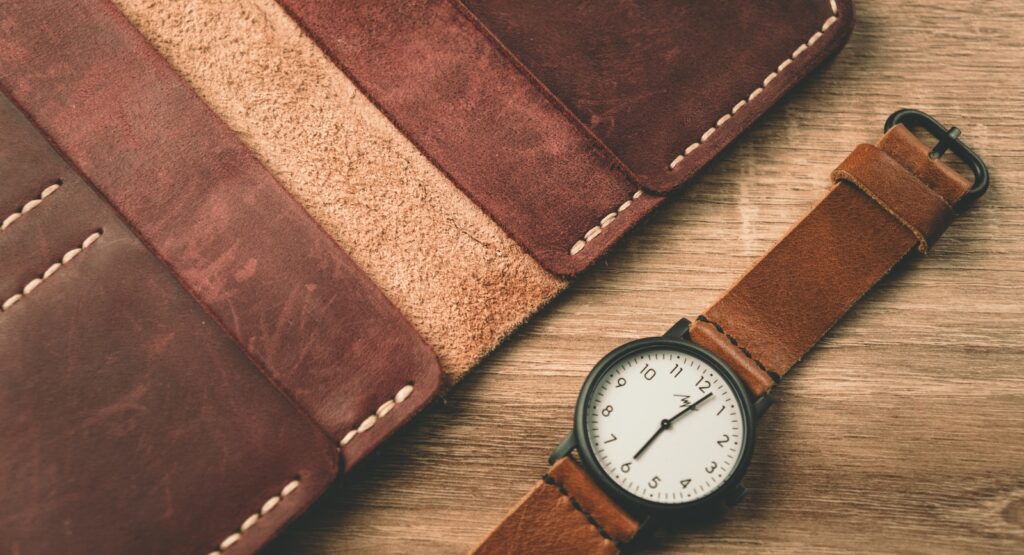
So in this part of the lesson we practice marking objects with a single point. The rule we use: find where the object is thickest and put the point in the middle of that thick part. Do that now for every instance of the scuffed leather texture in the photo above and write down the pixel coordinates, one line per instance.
(477, 117)
(923, 211)
(565, 513)
(770, 318)
(649, 78)
(847, 243)
(302, 310)
(129, 421)
(564, 120)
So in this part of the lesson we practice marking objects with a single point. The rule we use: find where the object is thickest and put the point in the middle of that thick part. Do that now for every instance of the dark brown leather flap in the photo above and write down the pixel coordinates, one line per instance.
(665, 85)
(909, 199)
(128, 418)
(305, 313)
(565, 121)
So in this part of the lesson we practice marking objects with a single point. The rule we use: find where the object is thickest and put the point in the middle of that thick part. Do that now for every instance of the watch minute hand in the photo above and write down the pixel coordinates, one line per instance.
(661, 428)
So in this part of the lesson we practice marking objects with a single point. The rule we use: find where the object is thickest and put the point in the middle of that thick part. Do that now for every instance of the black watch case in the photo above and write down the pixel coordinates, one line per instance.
(729, 493)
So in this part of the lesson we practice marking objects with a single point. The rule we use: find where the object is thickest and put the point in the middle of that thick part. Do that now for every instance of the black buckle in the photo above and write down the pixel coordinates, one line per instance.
(949, 139)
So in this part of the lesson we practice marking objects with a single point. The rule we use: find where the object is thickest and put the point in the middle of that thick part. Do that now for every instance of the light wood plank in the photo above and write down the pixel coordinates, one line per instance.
(902, 431)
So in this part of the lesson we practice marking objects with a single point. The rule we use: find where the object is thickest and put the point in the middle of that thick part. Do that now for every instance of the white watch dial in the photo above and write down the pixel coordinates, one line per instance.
(665, 426)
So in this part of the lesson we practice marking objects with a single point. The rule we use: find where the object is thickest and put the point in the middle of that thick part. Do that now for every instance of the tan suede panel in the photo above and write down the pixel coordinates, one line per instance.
(459, 279)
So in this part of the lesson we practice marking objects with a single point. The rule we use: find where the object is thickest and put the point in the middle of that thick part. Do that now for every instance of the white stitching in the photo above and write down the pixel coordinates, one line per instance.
(754, 94)
(609, 218)
(31, 286)
(251, 520)
(28, 206)
(382, 410)
(605, 222)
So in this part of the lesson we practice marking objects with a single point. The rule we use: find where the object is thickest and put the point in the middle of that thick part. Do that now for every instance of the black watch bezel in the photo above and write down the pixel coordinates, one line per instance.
(606, 483)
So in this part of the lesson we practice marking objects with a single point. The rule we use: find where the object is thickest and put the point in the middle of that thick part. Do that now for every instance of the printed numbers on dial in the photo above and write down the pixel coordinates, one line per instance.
(683, 461)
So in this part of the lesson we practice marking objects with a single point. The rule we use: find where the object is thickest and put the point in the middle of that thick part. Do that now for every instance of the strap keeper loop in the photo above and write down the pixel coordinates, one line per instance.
(898, 191)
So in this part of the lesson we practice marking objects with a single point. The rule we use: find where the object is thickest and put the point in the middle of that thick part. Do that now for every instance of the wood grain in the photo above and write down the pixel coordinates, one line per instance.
(901, 432)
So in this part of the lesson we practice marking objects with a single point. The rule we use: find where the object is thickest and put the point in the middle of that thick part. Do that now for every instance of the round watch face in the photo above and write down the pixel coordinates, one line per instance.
(665, 422)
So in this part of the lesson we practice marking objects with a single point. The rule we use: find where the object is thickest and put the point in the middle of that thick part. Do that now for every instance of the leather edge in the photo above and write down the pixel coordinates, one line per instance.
(570, 260)
(599, 145)
(387, 421)
(273, 523)
(710, 335)
(926, 229)
(566, 502)
(427, 377)
(557, 261)
(829, 45)
(315, 475)
(568, 264)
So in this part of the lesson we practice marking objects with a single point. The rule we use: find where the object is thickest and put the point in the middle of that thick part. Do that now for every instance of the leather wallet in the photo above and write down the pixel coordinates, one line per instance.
(188, 359)
(569, 121)
(185, 355)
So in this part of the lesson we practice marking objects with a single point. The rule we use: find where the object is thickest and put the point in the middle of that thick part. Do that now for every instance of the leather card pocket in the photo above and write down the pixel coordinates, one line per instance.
(124, 407)
(568, 122)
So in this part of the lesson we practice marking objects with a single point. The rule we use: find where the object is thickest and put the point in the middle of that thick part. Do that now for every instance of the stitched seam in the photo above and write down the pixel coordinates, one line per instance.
(609, 218)
(29, 206)
(31, 285)
(594, 144)
(718, 327)
(252, 519)
(382, 410)
(576, 505)
(605, 222)
(804, 46)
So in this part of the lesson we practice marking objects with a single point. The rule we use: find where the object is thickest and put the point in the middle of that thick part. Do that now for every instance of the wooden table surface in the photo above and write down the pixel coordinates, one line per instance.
(903, 431)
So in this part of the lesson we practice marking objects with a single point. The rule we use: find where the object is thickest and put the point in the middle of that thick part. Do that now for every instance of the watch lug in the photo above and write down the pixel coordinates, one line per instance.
(681, 330)
(564, 448)
(761, 405)
(736, 495)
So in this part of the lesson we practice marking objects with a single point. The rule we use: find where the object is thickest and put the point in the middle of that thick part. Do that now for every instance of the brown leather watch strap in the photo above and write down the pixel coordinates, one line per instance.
(565, 513)
(887, 199)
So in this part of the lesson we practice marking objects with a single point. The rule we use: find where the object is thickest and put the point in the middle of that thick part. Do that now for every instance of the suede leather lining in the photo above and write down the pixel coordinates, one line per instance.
(314, 324)
(461, 281)
(568, 122)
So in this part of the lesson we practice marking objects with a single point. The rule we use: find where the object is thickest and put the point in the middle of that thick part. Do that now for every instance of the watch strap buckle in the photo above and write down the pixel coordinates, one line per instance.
(949, 140)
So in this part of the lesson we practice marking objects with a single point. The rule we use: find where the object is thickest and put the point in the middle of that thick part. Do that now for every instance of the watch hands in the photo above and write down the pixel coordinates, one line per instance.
(687, 409)
(667, 423)
(664, 425)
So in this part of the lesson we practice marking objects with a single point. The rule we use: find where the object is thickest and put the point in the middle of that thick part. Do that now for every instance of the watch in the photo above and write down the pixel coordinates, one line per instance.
(665, 425)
